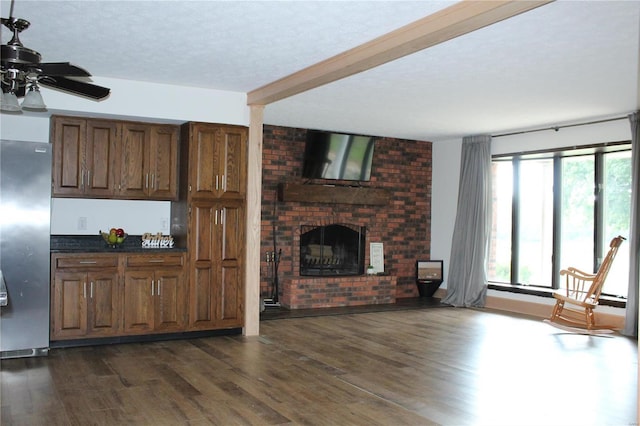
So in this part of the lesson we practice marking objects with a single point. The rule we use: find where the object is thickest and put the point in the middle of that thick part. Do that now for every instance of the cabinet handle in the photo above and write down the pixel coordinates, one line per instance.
(146, 181)
(153, 181)
(216, 182)
(84, 290)
(91, 290)
(222, 216)
(153, 285)
(88, 262)
(158, 288)
(224, 186)
(216, 218)
(89, 178)
(156, 261)
(82, 179)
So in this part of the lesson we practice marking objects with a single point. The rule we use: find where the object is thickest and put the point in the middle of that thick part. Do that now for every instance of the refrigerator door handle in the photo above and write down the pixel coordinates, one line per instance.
(4, 297)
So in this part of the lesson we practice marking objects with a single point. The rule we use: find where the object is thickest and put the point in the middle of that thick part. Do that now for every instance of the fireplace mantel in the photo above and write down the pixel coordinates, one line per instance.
(332, 194)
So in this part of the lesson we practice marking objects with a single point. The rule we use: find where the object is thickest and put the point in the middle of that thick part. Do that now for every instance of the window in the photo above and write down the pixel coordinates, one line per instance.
(552, 210)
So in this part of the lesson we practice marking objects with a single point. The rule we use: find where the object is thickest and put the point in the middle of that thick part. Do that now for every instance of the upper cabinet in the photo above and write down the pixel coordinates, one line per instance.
(217, 160)
(95, 158)
(149, 161)
(84, 157)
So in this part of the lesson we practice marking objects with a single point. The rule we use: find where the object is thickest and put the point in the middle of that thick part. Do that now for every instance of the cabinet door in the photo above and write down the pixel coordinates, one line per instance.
(69, 305)
(204, 161)
(101, 158)
(233, 164)
(69, 138)
(134, 161)
(169, 300)
(163, 162)
(217, 161)
(104, 307)
(230, 282)
(202, 308)
(216, 285)
(138, 304)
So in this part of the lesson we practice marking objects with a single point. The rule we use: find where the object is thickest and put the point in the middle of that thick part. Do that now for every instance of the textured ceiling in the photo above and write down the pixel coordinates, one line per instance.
(563, 62)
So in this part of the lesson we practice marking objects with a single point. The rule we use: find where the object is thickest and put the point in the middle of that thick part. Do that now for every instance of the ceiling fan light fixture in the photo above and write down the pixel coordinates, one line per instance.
(20, 67)
(9, 102)
(33, 99)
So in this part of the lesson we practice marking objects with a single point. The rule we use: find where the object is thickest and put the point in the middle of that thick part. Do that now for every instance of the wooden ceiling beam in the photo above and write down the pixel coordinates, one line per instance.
(446, 24)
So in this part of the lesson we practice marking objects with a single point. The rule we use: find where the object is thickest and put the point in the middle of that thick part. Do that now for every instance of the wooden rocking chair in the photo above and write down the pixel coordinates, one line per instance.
(582, 293)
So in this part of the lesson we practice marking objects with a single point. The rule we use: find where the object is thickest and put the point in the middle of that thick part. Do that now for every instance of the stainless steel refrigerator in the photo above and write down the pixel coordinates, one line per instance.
(25, 216)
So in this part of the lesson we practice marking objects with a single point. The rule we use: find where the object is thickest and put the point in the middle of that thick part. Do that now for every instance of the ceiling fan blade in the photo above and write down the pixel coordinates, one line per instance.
(74, 86)
(62, 68)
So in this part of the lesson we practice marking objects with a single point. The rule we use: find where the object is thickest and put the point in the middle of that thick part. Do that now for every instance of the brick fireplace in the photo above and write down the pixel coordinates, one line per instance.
(402, 168)
(331, 250)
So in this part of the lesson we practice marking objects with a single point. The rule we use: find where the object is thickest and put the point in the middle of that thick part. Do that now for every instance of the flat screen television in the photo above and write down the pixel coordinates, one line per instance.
(337, 156)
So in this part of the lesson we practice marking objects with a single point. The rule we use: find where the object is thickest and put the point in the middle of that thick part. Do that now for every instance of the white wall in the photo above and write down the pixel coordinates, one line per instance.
(444, 199)
(446, 171)
(133, 101)
(74, 216)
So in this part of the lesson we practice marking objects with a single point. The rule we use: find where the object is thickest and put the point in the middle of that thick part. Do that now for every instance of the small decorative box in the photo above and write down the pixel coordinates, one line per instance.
(157, 241)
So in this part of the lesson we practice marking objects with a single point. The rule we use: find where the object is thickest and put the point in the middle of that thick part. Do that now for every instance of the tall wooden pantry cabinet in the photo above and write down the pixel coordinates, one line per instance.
(210, 215)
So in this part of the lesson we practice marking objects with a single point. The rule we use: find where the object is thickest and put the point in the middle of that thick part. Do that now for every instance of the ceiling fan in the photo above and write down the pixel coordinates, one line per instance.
(21, 73)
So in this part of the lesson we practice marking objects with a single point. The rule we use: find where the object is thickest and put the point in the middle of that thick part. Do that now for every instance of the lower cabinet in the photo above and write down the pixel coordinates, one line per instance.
(154, 294)
(108, 295)
(216, 296)
(85, 298)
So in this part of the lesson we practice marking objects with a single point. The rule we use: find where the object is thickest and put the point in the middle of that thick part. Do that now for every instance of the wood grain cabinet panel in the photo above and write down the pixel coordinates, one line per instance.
(134, 159)
(95, 158)
(149, 162)
(210, 216)
(217, 160)
(84, 157)
(109, 295)
(170, 302)
(138, 302)
(100, 158)
(69, 307)
(231, 264)
(154, 294)
(85, 297)
(216, 283)
(163, 162)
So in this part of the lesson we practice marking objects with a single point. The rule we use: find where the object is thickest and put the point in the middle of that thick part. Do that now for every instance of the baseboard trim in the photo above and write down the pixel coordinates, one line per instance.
(539, 310)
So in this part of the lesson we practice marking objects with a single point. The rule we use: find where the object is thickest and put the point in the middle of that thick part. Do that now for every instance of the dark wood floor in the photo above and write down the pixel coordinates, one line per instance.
(444, 366)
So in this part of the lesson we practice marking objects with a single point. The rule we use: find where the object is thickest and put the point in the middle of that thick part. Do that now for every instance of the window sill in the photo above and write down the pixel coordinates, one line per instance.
(616, 302)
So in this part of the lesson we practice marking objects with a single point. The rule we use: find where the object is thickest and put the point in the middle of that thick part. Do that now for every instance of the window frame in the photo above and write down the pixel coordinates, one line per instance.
(557, 154)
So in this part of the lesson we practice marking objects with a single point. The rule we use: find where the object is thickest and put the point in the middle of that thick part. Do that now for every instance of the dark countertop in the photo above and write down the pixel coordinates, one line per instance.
(96, 244)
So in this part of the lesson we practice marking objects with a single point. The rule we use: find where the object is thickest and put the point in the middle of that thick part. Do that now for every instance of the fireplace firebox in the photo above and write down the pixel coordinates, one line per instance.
(332, 250)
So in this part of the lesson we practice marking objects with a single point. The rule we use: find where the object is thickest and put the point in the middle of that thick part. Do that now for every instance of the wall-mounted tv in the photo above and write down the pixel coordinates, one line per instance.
(337, 156)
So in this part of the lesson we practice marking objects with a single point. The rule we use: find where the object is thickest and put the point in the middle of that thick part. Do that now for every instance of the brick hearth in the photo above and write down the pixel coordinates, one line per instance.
(321, 292)
(403, 167)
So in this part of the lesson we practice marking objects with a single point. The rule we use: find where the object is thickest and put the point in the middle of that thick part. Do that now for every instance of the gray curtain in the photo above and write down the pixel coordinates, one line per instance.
(631, 316)
(467, 281)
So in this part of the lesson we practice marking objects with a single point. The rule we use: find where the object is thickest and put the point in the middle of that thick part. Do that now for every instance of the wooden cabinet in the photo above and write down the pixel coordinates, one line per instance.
(216, 282)
(217, 160)
(108, 295)
(84, 157)
(96, 158)
(210, 215)
(154, 294)
(85, 298)
(149, 161)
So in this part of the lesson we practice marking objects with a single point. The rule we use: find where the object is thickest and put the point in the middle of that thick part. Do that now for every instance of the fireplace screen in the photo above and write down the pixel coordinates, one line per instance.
(334, 250)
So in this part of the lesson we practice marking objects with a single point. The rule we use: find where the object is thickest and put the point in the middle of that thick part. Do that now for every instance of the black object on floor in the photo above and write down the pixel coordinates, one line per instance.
(401, 304)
